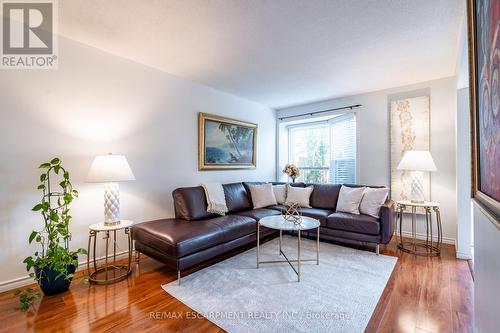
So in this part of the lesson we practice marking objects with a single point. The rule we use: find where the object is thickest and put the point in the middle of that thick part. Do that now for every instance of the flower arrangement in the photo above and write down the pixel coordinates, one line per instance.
(292, 171)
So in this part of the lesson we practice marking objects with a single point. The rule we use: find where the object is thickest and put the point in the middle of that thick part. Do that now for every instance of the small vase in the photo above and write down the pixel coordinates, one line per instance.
(293, 180)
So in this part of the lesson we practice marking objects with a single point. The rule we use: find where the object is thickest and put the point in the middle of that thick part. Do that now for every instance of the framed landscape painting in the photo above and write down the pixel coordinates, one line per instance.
(484, 64)
(225, 143)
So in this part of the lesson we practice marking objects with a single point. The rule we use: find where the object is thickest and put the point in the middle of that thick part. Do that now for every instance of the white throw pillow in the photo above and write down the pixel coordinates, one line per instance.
(262, 195)
(372, 200)
(280, 193)
(349, 199)
(300, 195)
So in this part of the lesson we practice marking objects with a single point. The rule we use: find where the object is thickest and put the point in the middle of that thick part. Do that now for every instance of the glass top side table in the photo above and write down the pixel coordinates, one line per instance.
(279, 223)
(429, 247)
(109, 272)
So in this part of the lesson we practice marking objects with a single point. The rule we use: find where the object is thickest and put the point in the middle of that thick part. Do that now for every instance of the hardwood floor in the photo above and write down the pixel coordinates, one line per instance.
(425, 295)
(422, 295)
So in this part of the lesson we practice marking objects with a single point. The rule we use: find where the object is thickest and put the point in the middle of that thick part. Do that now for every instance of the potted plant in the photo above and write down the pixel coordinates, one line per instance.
(292, 171)
(54, 263)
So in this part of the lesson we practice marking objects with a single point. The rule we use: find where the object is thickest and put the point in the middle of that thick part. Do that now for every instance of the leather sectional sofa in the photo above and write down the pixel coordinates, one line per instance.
(195, 235)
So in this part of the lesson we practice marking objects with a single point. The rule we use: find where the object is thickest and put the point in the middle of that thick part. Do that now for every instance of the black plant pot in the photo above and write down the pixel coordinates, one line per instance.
(50, 283)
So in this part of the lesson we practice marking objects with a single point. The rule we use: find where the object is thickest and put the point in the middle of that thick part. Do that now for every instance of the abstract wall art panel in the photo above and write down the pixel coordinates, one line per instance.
(410, 130)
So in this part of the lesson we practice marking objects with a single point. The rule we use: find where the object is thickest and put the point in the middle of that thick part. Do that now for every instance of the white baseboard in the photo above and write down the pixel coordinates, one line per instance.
(26, 280)
(446, 240)
(463, 255)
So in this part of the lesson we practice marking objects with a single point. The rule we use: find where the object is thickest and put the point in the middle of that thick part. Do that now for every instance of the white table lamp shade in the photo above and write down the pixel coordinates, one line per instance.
(110, 169)
(417, 161)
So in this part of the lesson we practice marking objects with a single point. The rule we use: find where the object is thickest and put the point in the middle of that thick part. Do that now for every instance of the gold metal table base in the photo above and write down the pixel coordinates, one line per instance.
(428, 247)
(421, 249)
(113, 273)
(108, 273)
(289, 261)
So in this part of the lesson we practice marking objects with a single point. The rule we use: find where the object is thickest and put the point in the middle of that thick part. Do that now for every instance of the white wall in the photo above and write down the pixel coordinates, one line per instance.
(464, 207)
(97, 103)
(486, 273)
(374, 139)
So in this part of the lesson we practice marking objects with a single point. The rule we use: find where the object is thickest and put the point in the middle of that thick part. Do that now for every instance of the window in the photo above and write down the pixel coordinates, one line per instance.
(343, 149)
(324, 151)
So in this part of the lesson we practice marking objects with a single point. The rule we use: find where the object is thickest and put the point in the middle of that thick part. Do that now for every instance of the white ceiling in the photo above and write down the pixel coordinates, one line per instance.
(277, 52)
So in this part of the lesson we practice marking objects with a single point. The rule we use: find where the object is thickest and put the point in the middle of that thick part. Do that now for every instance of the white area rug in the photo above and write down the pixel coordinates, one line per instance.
(339, 295)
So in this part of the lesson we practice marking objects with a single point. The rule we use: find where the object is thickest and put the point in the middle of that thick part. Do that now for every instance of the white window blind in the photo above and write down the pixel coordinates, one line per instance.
(325, 151)
(343, 149)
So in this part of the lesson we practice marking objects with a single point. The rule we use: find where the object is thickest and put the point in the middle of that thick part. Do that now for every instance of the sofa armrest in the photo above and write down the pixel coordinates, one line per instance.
(386, 221)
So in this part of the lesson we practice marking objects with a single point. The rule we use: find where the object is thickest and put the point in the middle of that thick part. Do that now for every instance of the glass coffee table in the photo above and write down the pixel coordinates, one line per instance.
(279, 223)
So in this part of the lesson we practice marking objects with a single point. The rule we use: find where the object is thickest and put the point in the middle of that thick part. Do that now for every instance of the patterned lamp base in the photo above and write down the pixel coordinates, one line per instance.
(417, 187)
(111, 204)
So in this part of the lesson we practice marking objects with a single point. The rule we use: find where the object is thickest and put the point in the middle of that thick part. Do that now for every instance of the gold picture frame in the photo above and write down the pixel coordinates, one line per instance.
(232, 144)
(489, 205)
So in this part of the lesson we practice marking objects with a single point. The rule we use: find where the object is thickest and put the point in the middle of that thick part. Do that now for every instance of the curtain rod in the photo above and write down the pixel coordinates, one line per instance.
(322, 111)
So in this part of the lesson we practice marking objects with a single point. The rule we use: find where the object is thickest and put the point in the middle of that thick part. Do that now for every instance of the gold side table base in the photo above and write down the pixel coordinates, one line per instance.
(108, 273)
(115, 274)
(428, 247)
(421, 249)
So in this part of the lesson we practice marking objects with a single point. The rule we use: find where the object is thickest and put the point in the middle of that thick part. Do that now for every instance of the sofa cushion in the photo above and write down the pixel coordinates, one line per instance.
(262, 195)
(237, 198)
(280, 193)
(178, 238)
(325, 196)
(235, 226)
(341, 235)
(257, 214)
(373, 199)
(315, 213)
(354, 222)
(299, 195)
(190, 203)
(277, 207)
(349, 199)
(245, 184)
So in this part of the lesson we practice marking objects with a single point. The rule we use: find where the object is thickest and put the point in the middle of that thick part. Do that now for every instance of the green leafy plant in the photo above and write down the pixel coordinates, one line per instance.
(26, 297)
(54, 236)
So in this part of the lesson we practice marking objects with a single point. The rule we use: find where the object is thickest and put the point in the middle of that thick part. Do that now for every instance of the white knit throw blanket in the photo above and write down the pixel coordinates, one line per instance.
(215, 198)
